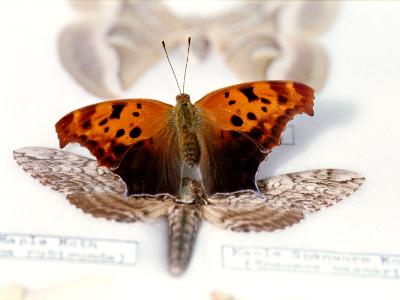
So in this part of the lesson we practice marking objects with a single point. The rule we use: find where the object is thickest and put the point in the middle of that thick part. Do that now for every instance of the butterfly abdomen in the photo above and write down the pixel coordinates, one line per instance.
(190, 151)
(185, 122)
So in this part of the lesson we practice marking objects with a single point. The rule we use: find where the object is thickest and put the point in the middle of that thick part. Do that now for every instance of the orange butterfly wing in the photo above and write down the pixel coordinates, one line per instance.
(133, 137)
(240, 124)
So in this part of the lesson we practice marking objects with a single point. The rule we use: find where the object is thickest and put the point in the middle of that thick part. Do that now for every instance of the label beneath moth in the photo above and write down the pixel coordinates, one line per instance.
(68, 249)
(311, 261)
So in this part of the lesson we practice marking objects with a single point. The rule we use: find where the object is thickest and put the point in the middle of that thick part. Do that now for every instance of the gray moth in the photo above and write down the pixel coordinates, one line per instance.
(99, 192)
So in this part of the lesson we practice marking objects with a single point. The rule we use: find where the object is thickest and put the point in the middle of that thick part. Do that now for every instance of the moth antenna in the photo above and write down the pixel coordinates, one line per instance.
(166, 53)
(187, 58)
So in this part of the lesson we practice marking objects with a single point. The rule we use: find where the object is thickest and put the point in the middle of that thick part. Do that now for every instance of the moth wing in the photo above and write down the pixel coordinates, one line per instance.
(239, 199)
(261, 218)
(309, 191)
(120, 208)
(238, 127)
(68, 173)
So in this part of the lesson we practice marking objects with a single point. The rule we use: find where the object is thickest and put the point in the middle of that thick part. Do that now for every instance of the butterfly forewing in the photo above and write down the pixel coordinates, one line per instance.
(133, 137)
(108, 129)
(240, 124)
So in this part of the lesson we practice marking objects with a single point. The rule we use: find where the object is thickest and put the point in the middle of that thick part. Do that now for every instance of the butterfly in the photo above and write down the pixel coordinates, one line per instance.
(99, 192)
(228, 133)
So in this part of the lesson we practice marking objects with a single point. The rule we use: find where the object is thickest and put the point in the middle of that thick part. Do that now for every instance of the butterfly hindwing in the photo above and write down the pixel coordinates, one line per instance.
(135, 138)
(240, 124)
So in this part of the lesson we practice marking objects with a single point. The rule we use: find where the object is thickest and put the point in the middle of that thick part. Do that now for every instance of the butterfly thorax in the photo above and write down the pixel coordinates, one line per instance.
(185, 123)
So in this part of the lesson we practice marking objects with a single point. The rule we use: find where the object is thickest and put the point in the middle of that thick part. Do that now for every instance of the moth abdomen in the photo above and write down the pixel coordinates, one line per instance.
(183, 221)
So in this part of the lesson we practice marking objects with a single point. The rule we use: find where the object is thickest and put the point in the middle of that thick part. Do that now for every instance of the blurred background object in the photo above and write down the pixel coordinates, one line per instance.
(95, 287)
(113, 43)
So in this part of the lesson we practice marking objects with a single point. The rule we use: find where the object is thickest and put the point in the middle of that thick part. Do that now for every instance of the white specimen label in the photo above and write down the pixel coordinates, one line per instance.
(68, 249)
(312, 261)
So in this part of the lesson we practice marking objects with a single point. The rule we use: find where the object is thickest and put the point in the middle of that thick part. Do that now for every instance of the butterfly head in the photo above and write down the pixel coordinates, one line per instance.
(183, 98)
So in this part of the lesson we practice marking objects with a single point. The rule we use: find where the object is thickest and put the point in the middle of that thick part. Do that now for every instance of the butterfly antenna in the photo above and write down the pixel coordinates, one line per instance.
(187, 58)
(166, 53)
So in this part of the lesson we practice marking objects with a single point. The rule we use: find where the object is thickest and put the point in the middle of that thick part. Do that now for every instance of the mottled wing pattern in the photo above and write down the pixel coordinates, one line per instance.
(134, 137)
(120, 208)
(238, 127)
(261, 218)
(239, 199)
(309, 191)
(67, 172)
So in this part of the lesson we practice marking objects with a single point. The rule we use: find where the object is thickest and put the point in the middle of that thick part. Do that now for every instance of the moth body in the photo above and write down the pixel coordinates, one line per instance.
(183, 222)
(185, 120)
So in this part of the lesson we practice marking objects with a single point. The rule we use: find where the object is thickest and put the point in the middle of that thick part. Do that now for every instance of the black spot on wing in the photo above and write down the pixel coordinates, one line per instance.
(236, 120)
(103, 122)
(231, 102)
(226, 94)
(264, 109)
(139, 105)
(116, 111)
(251, 116)
(120, 133)
(266, 101)
(136, 114)
(135, 132)
(249, 93)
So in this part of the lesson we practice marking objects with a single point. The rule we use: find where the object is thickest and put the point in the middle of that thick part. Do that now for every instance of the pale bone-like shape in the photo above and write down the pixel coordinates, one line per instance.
(258, 40)
(79, 46)
(302, 61)
(99, 192)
